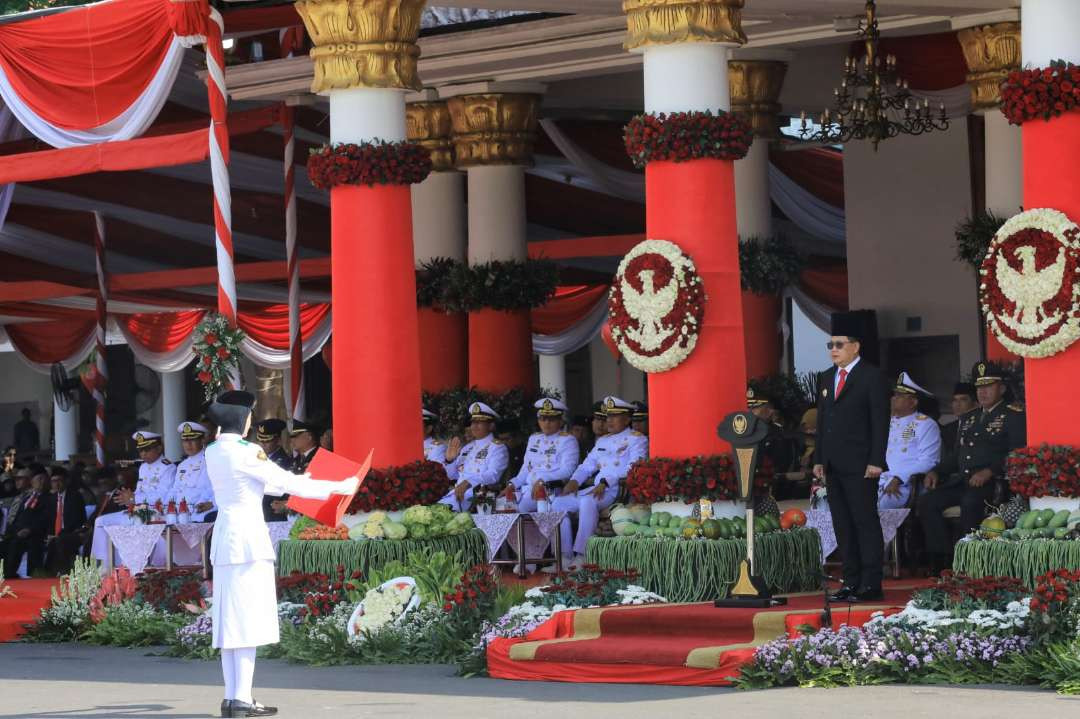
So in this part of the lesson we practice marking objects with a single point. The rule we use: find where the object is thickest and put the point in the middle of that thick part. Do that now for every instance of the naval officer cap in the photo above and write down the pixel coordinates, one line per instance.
(598, 410)
(146, 439)
(482, 412)
(615, 405)
(906, 385)
(192, 430)
(549, 407)
(641, 412)
(269, 429)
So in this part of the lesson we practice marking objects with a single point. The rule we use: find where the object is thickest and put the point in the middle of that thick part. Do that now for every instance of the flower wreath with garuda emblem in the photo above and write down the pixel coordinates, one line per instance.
(656, 306)
(1028, 283)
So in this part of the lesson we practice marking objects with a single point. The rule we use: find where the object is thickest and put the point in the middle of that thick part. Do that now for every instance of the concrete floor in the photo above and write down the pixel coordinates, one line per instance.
(74, 681)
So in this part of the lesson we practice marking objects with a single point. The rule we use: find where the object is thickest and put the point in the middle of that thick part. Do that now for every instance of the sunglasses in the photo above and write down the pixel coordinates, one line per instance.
(839, 345)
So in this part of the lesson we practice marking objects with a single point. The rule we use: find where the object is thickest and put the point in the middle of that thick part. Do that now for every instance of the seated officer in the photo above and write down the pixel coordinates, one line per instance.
(480, 462)
(639, 420)
(192, 483)
(914, 445)
(966, 475)
(305, 438)
(595, 483)
(434, 449)
(268, 435)
(551, 455)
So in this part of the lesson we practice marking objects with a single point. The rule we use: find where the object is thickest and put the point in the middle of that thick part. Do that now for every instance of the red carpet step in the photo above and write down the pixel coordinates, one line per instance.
(683, 644)
(32, 595)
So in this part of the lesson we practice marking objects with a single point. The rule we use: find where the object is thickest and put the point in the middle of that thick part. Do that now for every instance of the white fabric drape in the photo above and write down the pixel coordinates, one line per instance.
(607, 179)
(70, 363)
(810, 213)
(127, 125)
(957, 100)
(172, 361)
(816, 312)
(279, 359)
(574, 338)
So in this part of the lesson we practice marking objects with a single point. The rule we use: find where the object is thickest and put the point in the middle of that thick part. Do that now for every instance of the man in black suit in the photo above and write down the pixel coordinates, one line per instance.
(65, 520)
(852, 435)
(26, 526)
(963, 401)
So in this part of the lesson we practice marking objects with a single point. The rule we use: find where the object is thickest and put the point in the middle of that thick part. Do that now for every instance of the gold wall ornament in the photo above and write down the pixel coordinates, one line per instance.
(428, 124)
(665, 22)
(991, 52)
(493, 128)
(363, 43)
(755, 93)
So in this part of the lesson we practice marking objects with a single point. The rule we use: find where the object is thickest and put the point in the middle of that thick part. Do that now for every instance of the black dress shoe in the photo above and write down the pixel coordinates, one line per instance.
(254, 709)
(846, 594)
(226, 708)
(869, 594)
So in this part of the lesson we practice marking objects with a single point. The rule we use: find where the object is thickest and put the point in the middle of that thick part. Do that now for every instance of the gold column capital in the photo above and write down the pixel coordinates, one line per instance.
(363, 43)
(755, 93)
(991, 52)
(493, 128)
(427, 123)
(665, 22)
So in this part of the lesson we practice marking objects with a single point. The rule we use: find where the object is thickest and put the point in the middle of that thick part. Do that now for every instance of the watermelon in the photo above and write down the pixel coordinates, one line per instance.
(630, 529)
(620, 518)
(710, 529)
(641, 513)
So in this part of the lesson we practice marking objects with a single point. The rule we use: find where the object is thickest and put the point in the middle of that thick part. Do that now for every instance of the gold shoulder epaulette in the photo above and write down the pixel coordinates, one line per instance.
(921, 417)
(635, 433)
(1016, 407)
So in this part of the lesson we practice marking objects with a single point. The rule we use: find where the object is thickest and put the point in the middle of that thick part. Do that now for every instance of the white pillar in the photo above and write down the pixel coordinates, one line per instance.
(439, 222)
(1049, 30)
(173, 411)
(753, 208)
(553, 373)
(497, 223)
(686, 77)
(1004, 165)
(366, 114)
(65, 431)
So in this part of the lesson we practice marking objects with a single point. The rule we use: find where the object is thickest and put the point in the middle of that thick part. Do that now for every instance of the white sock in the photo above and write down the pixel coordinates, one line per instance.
(228, 671)
(245, 673)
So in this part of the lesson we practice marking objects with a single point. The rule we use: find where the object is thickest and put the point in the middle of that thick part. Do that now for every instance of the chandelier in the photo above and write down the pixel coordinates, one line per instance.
(873, 102)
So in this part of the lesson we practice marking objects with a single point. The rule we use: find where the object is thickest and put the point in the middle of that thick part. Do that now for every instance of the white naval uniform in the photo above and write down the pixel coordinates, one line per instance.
(244, 611)
(914, 448)
(191, 484)
(481, 462)
(548, 458)
(434, 450)
(609, 461)
(155, 482)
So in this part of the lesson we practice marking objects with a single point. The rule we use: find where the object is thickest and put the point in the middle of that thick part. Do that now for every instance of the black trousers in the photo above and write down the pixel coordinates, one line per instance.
(13, 549)
(61, 550)
(853, 504)
(972, 501)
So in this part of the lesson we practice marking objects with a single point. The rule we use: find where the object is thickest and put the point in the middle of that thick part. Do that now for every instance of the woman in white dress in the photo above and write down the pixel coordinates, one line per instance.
(245, 595)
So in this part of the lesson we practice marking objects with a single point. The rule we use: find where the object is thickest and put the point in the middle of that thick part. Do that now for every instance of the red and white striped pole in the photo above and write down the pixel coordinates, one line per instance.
(219, 165)
(102, 377)
(290, 41)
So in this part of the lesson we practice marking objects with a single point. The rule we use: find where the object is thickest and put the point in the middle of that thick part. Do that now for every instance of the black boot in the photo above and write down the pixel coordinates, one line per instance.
(254, 709)
(226, 708)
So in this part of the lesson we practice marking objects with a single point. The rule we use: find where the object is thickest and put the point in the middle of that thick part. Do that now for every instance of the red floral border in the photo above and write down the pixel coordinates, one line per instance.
(394, 488)
(1041, 93)
(684, 136)
(995, 303)
(368, 163)
(660, 479)
(1049, 470)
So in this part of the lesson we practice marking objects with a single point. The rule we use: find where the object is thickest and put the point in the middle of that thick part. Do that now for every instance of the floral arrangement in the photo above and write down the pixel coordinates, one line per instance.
(116, 587)
(959, 592)
(1044, 471)
(473, 596)
(592, 586)
(1040, 93)
(217, 352)
(454, 286)
(68, 613)
(660, 479)
(394, 488)
(133, 624)
(767, 266)
(169, 590)
(381, 606)
(368, 163)
(194, 639)
(1055, 607)
(974, 235)
(656, 306)
(296, 586)
(683, 136)
(1027, 281)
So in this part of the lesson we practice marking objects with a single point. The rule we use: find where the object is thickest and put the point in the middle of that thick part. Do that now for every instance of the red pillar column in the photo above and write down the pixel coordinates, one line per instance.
(365, 60)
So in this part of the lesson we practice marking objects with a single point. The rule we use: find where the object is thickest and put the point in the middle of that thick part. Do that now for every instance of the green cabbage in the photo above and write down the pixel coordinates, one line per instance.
(394, 530)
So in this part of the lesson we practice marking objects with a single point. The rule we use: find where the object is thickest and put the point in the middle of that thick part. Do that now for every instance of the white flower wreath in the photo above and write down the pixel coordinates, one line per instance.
(1028, 328)
(641, 323)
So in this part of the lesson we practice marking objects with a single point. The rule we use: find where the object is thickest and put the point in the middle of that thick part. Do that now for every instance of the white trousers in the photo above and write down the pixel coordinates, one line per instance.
(588, 508)
(238, 671)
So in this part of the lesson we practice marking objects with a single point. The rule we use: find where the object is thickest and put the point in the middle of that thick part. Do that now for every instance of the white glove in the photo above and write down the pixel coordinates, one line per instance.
(347, 486)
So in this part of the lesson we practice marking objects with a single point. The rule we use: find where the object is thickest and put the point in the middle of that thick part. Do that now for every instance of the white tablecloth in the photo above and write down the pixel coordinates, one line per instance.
(134, 543)
(538, 533)
(280, 530)
(821, 520)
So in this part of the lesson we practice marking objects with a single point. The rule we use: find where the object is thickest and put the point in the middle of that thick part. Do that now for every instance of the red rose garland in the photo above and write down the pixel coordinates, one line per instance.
(1040, 93)
(1044, 471)
(217, 352)
(394, 488)
(661, 479)
(368, 163)
(1028, 280)
(656, 306)
(683, 136)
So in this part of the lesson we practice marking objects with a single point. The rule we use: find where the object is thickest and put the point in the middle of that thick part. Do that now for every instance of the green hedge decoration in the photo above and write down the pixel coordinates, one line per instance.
(1025, 559)
(324, 555)
(704, 569)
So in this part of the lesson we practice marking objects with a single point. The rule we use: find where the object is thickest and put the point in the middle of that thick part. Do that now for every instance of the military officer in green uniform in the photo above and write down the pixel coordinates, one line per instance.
(966, 475)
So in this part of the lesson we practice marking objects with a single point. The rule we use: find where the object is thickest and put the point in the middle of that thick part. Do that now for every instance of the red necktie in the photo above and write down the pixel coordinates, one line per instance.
(59, 514)
(840, 384)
